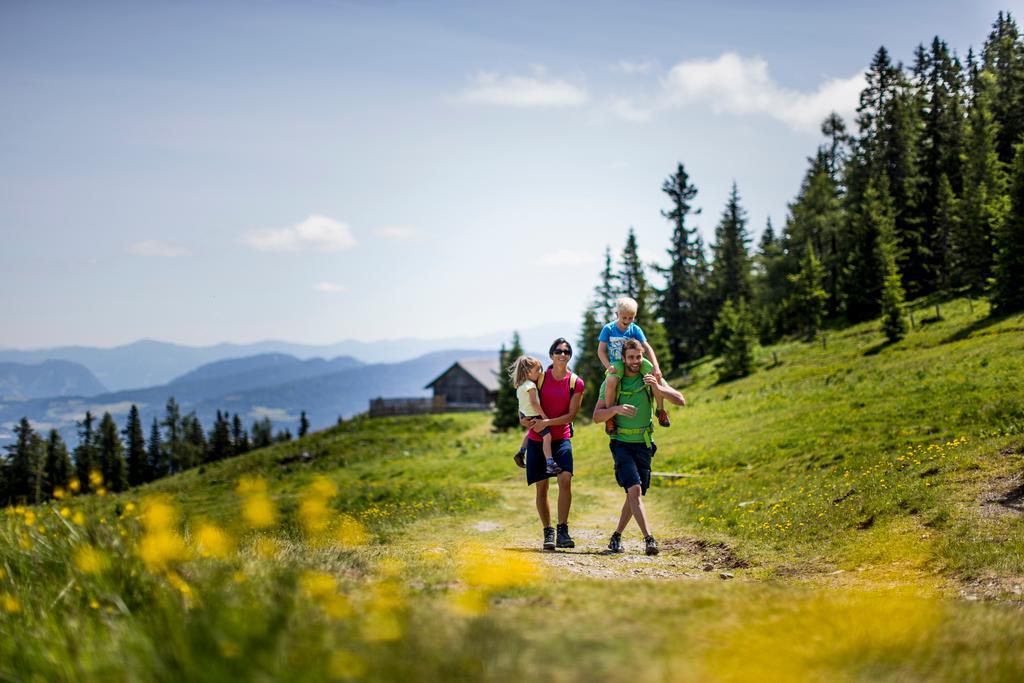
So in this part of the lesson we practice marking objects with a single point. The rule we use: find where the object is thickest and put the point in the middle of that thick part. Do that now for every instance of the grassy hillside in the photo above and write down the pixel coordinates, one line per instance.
(849, 513)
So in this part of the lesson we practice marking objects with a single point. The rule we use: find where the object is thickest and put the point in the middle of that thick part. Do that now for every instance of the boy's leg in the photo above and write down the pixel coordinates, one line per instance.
(661, 412)
(611, 382)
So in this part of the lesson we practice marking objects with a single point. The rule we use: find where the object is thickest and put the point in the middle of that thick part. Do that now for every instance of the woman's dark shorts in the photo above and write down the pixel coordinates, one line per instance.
(536, 466)
(632, 463)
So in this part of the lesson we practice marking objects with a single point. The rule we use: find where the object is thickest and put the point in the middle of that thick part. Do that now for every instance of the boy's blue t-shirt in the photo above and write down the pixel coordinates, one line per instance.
(615, 338)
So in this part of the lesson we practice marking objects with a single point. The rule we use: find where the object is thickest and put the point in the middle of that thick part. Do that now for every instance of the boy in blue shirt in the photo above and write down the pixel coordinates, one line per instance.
(609, 350)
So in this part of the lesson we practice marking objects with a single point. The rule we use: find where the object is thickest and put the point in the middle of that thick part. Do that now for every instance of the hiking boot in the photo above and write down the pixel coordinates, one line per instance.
(549, 538)
(650, 546)
(609, 427)
(552, 467)
(564, 539)
(663, 418)
(615, 544)
(520, 458)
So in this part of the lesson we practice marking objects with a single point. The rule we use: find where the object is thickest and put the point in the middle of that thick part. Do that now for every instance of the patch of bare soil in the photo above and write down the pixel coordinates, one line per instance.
(1004, 496)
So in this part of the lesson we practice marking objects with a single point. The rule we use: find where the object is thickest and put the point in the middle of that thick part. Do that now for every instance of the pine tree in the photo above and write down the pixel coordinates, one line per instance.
(946, 225)
(156, 455)
(303, 424)
(984, 204)
(37, 473)
(194, 445)
(731, 268)
(262, 433)
(85, 453)
(239, 439)
(1008, 289)
(135, 448)
(680, 302)
(894, 323)
(58, 462)
(865, 270)
(734, 337)
(174, 437)
(607, 291)
(506, 405)
(806, 305)
(220, 438)
(588, 365)
(283, 436)
(21, 465)
(1003, 57)
(111, 455)
(770, 285)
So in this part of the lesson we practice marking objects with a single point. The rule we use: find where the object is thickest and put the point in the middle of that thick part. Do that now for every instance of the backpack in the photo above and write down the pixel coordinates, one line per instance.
(647, 431)
(573, 378)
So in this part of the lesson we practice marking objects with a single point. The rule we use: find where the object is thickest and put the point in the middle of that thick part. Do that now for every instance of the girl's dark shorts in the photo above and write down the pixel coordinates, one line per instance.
(632, 463)
(536, 466)
(542, 433)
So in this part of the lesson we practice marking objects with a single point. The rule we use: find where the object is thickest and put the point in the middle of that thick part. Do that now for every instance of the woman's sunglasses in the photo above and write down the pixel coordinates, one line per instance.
(561, 352)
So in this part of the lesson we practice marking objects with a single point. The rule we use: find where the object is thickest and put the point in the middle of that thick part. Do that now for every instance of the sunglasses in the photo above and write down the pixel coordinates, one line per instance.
(561, 352)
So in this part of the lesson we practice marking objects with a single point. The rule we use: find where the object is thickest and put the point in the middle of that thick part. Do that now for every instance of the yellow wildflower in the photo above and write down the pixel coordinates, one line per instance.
(95, 479)
(212, 541)
(78, 518)
(484, 568)
(10, 603)
(350, 533)
(75, 485)
(59, 493)
(65, 512)
(346, 664)
(468, 603)
(259, 511)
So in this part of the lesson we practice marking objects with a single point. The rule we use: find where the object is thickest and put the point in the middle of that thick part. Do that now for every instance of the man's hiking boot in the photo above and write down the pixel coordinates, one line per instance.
(609, 427)
(615, 544)
(520, 458)
(564, 539)
(552, 467)
(549, 538)
(663, 418)
(650, 546)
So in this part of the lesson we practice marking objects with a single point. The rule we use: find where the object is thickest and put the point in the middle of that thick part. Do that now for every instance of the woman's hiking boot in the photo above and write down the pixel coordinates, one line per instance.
(663, 418)
(520, 458)
(564, 539)
(549, 538)
(609, 427)
(650, 546)
(615, 544)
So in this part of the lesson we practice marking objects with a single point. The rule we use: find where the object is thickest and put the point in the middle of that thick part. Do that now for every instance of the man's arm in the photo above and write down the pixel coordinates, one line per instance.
(664, 391)
(603, 413)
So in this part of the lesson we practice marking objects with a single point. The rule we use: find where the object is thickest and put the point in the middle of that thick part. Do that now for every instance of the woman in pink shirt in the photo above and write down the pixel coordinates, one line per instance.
(562, 402)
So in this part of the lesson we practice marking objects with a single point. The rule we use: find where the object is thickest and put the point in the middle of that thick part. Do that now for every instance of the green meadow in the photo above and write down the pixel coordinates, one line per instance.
(850, 511)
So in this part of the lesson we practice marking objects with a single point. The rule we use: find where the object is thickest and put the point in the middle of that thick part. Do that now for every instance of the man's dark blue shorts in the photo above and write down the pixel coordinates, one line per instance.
(632, 463)
(561, 451)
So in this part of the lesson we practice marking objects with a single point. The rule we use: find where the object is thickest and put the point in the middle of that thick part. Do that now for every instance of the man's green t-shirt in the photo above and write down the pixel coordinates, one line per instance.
(633, 392)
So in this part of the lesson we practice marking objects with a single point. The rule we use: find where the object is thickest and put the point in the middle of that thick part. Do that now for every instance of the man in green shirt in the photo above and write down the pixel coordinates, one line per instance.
(632, 445)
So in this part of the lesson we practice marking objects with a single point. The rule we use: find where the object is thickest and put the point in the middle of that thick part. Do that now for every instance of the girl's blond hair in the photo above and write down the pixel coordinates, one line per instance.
(519, 370)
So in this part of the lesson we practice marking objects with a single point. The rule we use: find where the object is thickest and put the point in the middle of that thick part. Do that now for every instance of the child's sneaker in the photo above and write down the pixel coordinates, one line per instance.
(551, 467)
(650, 546)
(615, 544)
(663, 418)
(609, 427)
(520, 458)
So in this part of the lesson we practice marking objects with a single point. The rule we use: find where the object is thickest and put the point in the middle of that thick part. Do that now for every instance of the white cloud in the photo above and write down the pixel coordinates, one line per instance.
(624, 108)
(538, 90)
(568, 258)
(329, 288)
(158, 248)
(738, 85)
(629, 66)
(398, 233)
(319, 233)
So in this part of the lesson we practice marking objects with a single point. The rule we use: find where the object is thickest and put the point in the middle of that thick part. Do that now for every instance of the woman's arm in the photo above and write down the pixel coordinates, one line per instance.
(574, 407)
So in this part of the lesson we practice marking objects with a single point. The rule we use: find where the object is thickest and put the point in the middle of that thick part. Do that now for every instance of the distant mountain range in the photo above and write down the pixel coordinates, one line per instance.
(19, 381)
(148, 363)
(277, 386)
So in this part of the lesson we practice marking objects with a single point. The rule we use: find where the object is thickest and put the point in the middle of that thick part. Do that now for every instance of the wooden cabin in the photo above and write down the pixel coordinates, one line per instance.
(469, 384)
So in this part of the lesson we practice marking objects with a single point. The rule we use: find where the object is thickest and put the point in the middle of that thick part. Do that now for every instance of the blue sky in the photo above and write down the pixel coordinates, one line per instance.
(314, 171)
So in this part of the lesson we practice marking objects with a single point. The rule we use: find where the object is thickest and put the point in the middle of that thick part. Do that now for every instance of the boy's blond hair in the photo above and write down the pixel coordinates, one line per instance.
(519, 371)
(626, 304)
